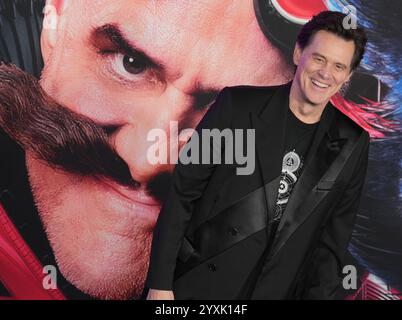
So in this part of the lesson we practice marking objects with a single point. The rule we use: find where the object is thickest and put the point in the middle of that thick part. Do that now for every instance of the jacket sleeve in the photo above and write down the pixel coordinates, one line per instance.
(325, 275)
(188, 184)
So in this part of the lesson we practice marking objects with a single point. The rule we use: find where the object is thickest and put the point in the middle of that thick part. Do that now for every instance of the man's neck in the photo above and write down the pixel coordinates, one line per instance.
(303, 110)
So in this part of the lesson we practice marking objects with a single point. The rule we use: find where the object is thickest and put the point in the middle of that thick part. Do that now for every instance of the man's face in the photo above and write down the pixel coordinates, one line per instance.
(323, 66)
(135, 66)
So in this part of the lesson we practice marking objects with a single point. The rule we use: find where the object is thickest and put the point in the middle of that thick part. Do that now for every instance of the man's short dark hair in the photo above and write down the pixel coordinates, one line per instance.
(332, 21)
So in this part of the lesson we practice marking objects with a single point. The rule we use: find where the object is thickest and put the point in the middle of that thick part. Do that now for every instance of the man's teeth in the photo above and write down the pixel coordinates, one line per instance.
(320, 84)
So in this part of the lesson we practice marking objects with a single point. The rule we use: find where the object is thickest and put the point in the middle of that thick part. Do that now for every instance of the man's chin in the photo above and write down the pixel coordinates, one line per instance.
(114, 271)
(317, 100)
(100, 241)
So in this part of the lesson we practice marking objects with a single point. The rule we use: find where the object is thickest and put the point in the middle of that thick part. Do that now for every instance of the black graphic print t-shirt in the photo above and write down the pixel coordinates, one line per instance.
(299, 136)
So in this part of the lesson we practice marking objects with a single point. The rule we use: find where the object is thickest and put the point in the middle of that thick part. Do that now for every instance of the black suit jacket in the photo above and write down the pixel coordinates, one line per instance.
(210, 240)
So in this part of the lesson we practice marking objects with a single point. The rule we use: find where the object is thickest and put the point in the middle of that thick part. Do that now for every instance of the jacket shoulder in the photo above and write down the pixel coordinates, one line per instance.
(250, 91)
(246, 98)
(349, 126)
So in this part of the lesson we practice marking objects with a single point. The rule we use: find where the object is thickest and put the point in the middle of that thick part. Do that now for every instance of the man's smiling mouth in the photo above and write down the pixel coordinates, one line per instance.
(319, 84)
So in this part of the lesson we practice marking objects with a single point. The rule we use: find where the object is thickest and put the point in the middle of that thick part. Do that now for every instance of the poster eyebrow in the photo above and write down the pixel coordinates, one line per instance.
(113, 34)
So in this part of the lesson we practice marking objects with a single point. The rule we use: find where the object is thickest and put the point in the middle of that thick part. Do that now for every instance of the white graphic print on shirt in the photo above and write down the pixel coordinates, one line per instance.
(291, 170)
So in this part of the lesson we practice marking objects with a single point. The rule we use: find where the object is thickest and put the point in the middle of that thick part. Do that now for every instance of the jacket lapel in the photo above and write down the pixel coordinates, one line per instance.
(326, 147)
(270, 126)
(269, 138)
(270, 130)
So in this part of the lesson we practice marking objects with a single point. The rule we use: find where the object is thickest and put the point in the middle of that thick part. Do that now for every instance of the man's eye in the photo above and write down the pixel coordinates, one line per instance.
(339, 68)
(126, 66)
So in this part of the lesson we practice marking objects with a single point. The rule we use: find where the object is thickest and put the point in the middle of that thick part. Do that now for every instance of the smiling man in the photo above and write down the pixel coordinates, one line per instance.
(282, 232)
(128, 66)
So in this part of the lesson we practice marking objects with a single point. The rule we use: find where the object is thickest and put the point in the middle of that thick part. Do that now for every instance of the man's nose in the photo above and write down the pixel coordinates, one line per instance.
(325, 72)
(148, 138)
(145, 157)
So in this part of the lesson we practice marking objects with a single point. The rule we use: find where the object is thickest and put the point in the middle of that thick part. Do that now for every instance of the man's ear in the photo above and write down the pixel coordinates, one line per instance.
(51, 25)
(347, 81)
(297, 54)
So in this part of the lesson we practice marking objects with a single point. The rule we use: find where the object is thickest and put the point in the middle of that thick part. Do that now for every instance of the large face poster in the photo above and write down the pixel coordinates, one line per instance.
(136, 65)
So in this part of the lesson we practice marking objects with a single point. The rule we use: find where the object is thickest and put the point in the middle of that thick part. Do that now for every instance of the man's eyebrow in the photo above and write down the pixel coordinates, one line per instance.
(113, 34)
(110, 37)
(321, 56)
(342, 64)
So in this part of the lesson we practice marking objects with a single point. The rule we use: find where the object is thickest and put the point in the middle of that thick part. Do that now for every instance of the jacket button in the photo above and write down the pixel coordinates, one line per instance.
(233, 231)
(212, 267)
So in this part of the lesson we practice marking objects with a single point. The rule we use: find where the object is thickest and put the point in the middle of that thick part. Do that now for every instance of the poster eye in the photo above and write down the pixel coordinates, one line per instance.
(132, 65)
